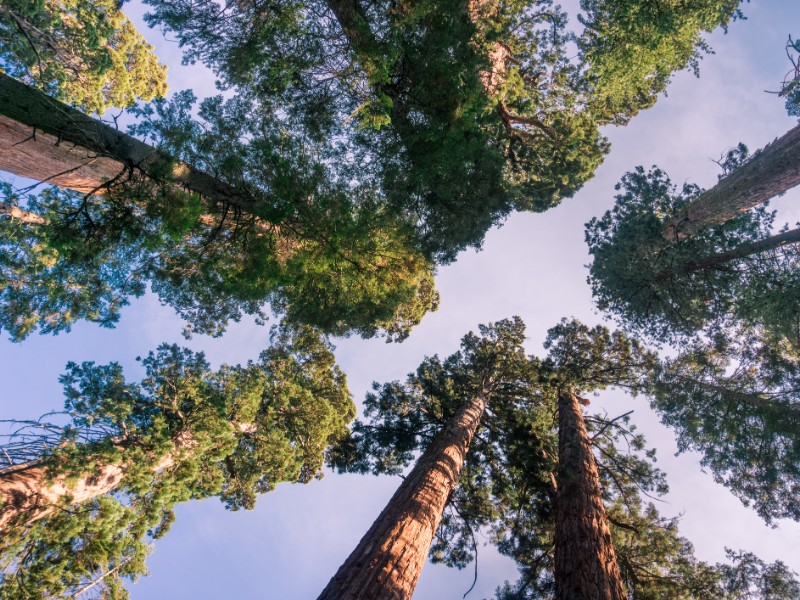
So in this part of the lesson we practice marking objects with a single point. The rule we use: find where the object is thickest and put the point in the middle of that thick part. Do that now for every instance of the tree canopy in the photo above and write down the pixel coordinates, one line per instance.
(184, 432)
(734, 272)
(85, 52)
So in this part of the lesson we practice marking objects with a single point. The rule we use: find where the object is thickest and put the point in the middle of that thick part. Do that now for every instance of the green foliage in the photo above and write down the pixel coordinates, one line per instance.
(457, 113)
(633, 48)
(750, 577)
(505, 489)
(307, 236)
(667, 289)
(734, 400)
(184, 432)
(85, 52)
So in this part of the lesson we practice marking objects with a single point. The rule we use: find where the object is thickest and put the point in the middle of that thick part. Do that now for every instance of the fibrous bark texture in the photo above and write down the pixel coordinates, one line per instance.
(388, 560)
(772, 171)
(585, 564)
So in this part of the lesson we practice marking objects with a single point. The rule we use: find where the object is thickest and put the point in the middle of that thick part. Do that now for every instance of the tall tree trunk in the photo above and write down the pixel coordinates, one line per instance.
(772, 171)
(44, 139)
(585, 563)
(28, 492)
(388, 560)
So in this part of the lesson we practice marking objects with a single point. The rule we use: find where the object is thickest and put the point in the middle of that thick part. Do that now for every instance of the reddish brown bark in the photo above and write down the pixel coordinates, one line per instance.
(388, 560)
(585, 563)
(772, 171)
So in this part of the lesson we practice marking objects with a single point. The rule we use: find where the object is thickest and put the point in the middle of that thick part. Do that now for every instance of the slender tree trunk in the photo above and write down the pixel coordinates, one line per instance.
(44, 139)
(772, 242)
(772, 171)
(388, 560)
(585, 563)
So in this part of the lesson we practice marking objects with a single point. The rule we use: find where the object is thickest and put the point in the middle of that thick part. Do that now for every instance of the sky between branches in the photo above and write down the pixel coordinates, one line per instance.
(295, 539)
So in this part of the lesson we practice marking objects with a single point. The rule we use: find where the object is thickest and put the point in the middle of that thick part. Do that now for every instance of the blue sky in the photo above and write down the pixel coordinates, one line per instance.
(533, 266)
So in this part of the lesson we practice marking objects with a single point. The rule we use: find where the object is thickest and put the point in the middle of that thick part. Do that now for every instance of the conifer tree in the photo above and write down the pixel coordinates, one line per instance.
(737, 271)
(271, 225)
(83, 499)
(511, 482)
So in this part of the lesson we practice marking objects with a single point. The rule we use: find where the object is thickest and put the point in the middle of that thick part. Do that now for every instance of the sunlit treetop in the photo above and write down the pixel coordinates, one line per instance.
(633, 48)
(84, 52)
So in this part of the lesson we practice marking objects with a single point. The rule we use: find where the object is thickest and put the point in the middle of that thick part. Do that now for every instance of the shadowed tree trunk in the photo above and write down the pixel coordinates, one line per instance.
(772, 171)
(585, 563)
(388, 560)
(46, 140)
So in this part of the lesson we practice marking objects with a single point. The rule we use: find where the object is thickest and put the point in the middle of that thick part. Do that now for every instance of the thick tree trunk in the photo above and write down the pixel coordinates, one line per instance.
(46, 140)
(585, 563)
(28, 493)
(388, 560)
(772, 171)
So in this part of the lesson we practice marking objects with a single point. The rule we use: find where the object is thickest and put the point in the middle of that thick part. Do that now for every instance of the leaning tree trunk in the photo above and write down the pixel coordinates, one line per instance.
(388, 560)
(585, 563)
(772, 171)
(46, 140)
(745, 250)
(29, 492)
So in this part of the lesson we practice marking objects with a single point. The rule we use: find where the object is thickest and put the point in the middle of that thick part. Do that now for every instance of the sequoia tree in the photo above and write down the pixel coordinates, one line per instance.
(83, 498)
(737, 271)
(271, 224)
(389, 558)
